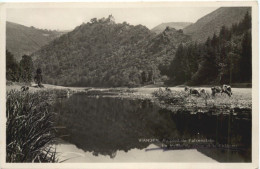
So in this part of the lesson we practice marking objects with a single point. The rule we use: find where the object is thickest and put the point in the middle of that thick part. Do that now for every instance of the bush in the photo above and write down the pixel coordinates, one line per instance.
(29, 128)
(170, 97)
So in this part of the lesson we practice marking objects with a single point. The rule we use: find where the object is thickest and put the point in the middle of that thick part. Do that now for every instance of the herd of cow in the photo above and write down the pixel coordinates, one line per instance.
(216, 89)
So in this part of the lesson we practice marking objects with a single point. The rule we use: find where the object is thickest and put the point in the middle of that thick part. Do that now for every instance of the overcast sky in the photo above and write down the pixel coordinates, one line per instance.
(67, 19)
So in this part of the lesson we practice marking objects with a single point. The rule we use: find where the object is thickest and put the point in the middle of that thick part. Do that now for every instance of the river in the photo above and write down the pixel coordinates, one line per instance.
(114, 129)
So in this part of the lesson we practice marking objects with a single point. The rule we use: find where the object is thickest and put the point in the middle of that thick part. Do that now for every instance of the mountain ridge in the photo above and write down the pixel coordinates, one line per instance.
(177, 25)
(21, 40)
(211, 23)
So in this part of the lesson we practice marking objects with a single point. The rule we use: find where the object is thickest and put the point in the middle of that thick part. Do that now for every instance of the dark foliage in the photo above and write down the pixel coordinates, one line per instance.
(38, 77)
(19, 72)
(26, 68)
(225, 58)
(12, 67)
(103, 53)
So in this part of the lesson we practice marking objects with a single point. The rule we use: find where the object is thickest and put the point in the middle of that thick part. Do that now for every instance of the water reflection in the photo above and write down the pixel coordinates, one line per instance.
(105, 125)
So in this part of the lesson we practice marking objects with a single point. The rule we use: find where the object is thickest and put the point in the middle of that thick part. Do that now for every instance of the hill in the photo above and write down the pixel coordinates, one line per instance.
(212, 23)
(103, 53)
(226, 58)
(177, 25)
(22, 40)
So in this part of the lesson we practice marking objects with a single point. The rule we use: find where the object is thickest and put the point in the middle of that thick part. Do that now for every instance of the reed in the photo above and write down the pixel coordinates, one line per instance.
(29, 127)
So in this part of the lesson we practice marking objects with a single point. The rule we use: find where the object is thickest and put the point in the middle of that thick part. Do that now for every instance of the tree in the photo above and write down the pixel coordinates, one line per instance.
(224, 34)
(214, 41)
(223, 58)
(246, 58)
(12, 67)
(144, 76)
(93, 20)
(38, 77)
(245, 24)
(26, 68)
(176, 71)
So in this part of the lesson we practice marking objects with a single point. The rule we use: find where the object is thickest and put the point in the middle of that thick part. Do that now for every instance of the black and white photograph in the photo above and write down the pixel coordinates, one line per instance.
(141, 82)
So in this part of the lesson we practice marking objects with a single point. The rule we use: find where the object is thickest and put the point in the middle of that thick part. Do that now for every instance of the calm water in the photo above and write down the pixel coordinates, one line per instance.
(105, 125)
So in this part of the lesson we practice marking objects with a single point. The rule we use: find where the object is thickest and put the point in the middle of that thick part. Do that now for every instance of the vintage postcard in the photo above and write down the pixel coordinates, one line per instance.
(129, 85)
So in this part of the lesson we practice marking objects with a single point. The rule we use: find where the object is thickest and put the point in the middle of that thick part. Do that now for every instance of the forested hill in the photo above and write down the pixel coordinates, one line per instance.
(103, 53)
(176, 25)
(21, 40)
(208, 25)
(226, 58)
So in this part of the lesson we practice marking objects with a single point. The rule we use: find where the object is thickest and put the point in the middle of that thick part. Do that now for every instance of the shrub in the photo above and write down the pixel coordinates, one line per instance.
(170, 97)
(29, 128)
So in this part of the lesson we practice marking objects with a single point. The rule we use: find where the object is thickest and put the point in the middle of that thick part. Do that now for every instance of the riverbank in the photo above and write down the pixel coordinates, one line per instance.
(144, 92)
(241, 98)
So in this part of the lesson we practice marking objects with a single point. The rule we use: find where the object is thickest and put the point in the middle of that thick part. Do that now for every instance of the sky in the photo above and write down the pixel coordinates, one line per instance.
(69, 18)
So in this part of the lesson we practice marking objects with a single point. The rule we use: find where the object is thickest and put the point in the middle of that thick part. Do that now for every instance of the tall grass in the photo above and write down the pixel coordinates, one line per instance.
(29, 127)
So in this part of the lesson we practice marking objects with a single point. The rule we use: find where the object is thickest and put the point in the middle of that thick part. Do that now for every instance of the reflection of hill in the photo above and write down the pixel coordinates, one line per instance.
(104, 125)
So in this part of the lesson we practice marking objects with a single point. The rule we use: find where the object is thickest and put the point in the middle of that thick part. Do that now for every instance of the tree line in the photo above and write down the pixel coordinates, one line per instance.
(223, 58)
(22, 71)
(19, 71)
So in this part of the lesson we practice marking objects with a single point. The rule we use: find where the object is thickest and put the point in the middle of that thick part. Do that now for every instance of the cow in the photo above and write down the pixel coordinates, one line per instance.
(167, 89)
(224, 89)
(24, 88)
(192, 91)
(203, 92)
(215, 90)
(227, 89)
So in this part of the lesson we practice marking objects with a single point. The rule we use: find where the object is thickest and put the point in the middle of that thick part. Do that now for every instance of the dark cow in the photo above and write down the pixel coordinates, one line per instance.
(167, 89)
(192, 91)
(227, 89)
(224, 89)
(24, 88)
(215, 90)
(203, 92)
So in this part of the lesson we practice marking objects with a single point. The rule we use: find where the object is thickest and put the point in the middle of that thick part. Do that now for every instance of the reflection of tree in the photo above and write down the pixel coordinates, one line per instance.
(105, 125)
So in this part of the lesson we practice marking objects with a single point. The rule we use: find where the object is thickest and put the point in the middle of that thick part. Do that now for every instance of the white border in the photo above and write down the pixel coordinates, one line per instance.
(255, 86)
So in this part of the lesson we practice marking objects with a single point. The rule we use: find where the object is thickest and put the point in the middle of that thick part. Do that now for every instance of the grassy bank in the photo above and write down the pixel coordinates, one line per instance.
(178, 100)
(29, 127)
